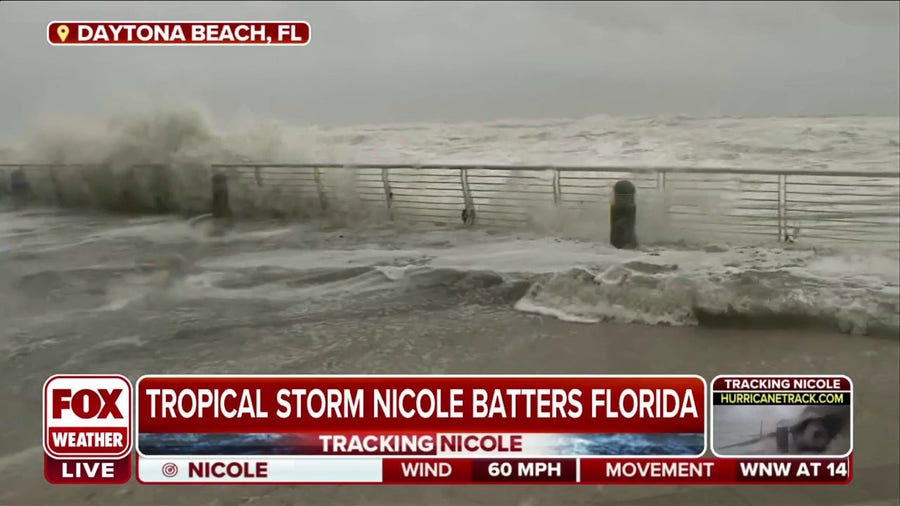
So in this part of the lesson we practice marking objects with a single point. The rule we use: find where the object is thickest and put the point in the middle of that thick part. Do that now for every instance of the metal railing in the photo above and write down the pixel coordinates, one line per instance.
(800, 205)
(778, 204)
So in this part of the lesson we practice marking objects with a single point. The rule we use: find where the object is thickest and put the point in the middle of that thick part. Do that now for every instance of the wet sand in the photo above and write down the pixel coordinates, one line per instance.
(516, 344)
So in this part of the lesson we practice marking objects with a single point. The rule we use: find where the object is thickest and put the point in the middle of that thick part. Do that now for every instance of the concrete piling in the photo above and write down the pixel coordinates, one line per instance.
(221, 207)
(623, 216)
(19, 188)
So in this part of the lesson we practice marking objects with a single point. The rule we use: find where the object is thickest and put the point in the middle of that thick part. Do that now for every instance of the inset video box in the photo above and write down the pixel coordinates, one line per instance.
(792, 421)
(411, 429)
(782, 416)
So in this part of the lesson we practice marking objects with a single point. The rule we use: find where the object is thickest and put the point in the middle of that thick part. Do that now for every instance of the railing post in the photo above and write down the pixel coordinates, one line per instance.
(665, 200)
(221, 207)
(557, 192)
(19, 188)
(257, 175)
(468, 212)
(782, 197)
(57, 186)
(161, 184)
(320, 190)
(388, 193)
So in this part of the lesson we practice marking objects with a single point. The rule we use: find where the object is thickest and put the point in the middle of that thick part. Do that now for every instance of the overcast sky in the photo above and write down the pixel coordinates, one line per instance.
(415, 61)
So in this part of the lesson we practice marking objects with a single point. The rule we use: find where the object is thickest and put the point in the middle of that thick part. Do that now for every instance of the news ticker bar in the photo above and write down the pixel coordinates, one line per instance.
(454, 471)
(486, 471)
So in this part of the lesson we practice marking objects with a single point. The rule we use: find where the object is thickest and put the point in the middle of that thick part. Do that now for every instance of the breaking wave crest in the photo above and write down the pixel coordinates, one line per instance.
(747, 298)
(158, 161)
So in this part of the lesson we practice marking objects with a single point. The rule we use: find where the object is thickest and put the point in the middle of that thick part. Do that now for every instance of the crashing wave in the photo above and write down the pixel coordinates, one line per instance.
(748, 298)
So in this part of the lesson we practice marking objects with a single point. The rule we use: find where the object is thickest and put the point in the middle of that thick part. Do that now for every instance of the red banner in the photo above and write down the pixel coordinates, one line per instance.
(460, 404)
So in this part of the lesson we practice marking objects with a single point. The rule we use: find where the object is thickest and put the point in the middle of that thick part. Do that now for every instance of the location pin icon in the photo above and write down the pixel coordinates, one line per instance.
(63, 32)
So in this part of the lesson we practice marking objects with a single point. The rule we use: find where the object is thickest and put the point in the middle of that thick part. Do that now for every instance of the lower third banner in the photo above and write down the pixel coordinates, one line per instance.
(346, 428)
(461, 471)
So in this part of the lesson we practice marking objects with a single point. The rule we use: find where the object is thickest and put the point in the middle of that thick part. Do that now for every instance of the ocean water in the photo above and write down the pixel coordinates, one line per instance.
(680, 277)
(185, 143)
(86, 290)
(188, 135)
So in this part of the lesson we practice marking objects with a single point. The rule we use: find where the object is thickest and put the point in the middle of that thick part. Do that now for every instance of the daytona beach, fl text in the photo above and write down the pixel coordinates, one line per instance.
(178, 33)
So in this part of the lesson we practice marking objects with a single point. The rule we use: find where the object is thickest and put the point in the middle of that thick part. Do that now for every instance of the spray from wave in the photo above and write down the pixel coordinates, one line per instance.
(158, 161)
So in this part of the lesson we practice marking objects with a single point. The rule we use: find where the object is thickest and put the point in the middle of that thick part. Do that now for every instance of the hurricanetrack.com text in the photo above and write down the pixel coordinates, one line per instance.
(806, 398)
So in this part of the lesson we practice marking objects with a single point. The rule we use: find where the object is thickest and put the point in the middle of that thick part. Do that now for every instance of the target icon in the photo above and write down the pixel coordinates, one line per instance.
(169, 470)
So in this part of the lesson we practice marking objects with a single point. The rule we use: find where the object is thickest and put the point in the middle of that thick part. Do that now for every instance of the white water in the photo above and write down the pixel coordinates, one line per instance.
(573, 280)
(186, 142)
(584, 281)
(589, 282)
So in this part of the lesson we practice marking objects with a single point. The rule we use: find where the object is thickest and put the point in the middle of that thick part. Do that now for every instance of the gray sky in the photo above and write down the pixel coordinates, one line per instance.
(415, 61)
